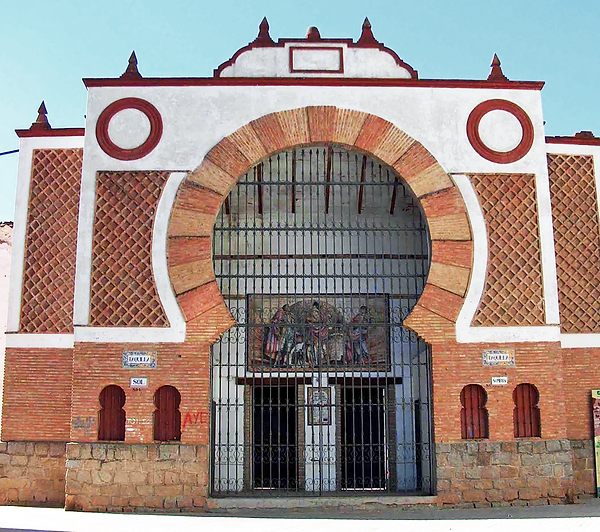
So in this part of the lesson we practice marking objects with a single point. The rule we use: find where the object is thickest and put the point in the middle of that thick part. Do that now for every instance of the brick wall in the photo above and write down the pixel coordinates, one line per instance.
(456, 365)
(37, 394)
(120, 477)
(32, 474)
(185, 366)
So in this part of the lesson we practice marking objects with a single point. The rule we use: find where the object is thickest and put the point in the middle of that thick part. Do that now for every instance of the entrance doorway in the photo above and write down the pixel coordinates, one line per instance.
(274, 438)
(320, 254)
(363, 439)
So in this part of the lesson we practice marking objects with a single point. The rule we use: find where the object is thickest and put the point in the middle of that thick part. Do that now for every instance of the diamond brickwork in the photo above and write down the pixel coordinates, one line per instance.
(577, 241)
(51, 242)
(513, 292)
(123, 291)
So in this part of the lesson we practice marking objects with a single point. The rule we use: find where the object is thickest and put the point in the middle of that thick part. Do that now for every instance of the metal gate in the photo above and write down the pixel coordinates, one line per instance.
(320, 254)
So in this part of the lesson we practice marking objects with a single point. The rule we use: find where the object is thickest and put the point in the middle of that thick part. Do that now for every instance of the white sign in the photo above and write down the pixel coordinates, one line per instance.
(499, 381)
(498, 357)
(139, 359)
(138, 382)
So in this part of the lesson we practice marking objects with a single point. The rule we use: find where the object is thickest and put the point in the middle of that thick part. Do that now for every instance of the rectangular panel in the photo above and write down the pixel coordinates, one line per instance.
(317, 59)
(577, 241)
(51, 242)
(302, 332)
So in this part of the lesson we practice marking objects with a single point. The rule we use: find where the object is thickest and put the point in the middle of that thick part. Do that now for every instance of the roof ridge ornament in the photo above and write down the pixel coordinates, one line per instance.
(263, 38)
(496, 74)
(366, 38)
(42, 119)
(313, 34)
(132, 71)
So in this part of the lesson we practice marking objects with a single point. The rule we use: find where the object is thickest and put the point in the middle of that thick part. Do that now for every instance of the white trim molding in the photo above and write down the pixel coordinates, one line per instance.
(26, 147)
(40, 341)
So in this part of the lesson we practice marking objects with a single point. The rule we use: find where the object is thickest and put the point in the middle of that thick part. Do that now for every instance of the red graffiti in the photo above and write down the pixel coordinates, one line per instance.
(192, 418)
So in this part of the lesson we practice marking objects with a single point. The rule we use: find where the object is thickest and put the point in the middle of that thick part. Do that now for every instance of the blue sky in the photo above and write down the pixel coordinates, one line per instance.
(48, 46)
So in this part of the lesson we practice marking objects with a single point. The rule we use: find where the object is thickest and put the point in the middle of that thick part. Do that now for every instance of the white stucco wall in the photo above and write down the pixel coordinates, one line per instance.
(196, 118)
(6, 231)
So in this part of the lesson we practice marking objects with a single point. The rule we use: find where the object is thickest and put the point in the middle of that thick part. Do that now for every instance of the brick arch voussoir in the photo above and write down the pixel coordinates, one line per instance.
(202, 193)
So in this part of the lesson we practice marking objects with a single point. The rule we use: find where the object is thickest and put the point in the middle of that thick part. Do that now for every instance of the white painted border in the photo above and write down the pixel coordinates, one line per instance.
(480, 255)
(548, 257)
(580, 340)
(26, 147)
(40, 341)
(464, 332)
(177, 328)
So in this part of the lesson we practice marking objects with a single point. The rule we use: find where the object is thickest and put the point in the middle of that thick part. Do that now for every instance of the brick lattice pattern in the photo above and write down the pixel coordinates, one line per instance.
(51, 242)
(123, 289)
(577, 241)
(513, 292)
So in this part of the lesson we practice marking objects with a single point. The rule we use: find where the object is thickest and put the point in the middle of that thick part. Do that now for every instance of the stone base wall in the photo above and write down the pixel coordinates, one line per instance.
(584, 470)
(514, 473)
(136, 477)
(32, 474)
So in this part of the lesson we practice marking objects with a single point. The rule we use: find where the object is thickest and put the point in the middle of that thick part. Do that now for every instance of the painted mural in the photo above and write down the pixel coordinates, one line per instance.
(308, 332)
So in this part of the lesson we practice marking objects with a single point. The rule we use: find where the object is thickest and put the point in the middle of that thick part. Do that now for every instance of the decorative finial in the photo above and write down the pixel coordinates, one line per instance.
(132, 71)
(42, 119)
(263, 38)
(313, 34)
(366, 37)
(496, 74)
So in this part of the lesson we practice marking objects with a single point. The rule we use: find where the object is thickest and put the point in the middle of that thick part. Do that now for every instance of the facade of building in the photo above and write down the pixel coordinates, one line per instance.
(312, 275)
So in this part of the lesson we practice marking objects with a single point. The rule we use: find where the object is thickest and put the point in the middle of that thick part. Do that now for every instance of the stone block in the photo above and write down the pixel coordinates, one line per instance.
(18, 460)
(171, 477)
(187, 452)
(490, 472)
(145, 490)
(3, 446)
(442, 448)
(449, 498)
(99, 452)
(525, 447)
(509, 447)
(85, 451)
(138, 478)
(484, 484)
(531, 459)
(538, 447)
(57, 450)
(509, 471)
(529, 493)
(473, 473)
(473, 496)
(16, 448)
(168, 491)
(553, 446)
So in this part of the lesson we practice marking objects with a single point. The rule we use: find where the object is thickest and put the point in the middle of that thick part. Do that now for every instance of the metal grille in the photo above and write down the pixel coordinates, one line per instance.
(320, 254)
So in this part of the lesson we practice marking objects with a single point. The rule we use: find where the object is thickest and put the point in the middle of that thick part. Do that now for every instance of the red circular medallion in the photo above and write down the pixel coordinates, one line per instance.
(500, 156)
(124, 154)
